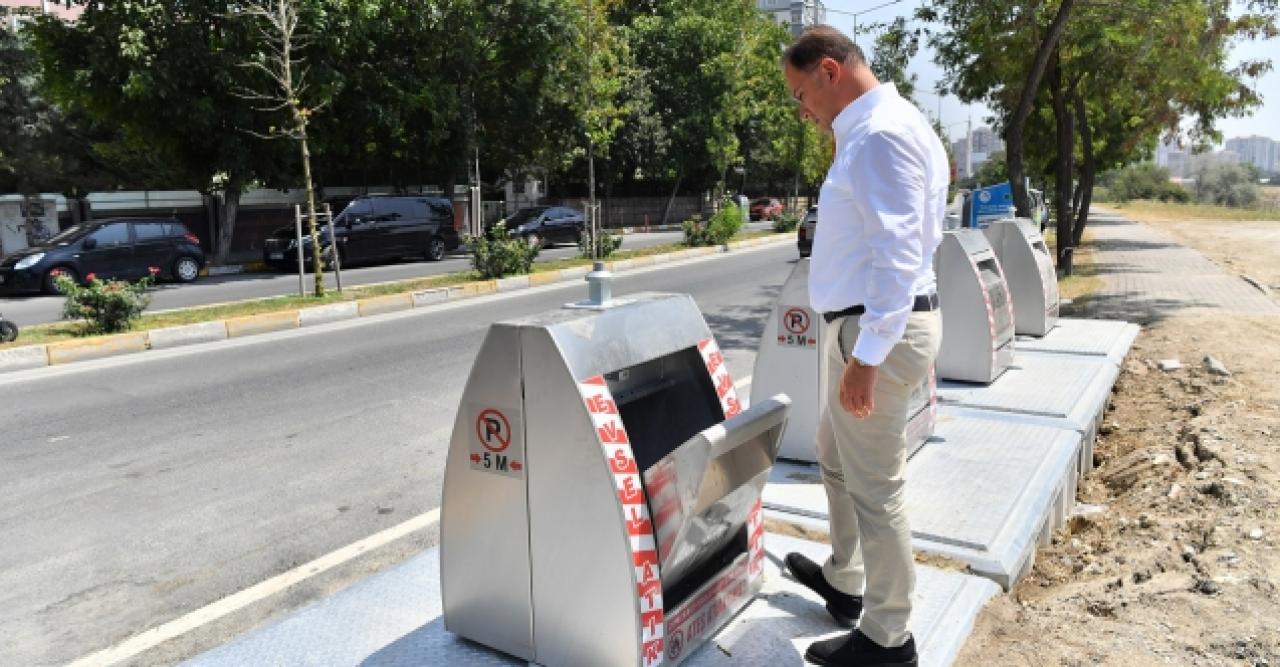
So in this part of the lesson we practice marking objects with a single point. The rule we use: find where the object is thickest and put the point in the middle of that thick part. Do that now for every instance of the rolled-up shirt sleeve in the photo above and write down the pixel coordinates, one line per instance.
(889, 192)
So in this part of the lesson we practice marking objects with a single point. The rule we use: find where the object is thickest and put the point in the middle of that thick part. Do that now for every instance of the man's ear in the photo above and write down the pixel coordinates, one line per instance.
(831, 68)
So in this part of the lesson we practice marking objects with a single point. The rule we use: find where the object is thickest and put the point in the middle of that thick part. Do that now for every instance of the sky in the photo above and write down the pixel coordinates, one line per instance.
(1264, 121)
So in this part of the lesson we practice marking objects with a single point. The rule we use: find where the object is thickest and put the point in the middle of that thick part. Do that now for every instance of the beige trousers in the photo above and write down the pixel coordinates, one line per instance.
(863, 464)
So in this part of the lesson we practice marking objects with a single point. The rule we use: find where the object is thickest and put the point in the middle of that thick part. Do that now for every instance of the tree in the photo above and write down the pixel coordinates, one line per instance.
(891, 54)
(1117, 76)
(283, 68)
(164, 73)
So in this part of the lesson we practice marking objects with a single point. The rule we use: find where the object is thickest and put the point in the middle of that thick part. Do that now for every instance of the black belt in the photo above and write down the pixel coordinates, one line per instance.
(923, 304)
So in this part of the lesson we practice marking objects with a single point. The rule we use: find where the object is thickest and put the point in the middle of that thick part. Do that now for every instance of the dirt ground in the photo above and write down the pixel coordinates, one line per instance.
(1174, 559)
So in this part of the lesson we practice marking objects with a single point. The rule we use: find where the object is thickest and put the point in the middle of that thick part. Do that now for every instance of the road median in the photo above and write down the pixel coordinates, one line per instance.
(224, 322)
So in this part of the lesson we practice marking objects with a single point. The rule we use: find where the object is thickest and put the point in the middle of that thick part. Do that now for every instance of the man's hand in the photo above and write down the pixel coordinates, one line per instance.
(857, 386)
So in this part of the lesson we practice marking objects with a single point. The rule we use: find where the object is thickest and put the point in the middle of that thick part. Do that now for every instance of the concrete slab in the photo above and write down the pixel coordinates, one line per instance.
(1069, 391)
(985, 490)
(395, 618)
(1092, 338)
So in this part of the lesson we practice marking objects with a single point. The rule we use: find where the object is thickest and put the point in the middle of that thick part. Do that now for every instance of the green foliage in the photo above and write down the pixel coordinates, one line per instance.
(106, 306)
(1233, 185)
(605, 245)
(787, 221)
(723, 225)
(894, 48)
(496, 255)
(995, 170)
(1143, 181)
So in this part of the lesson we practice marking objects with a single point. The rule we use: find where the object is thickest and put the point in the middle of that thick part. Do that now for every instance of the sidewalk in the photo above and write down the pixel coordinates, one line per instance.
(1148, 276)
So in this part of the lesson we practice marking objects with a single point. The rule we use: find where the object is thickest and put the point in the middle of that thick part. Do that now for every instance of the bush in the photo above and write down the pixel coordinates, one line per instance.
(1231, 185)
(106, 306)
(1143, 181)
(724, 225)
(495, 255)
(605, 245)
(786, 221)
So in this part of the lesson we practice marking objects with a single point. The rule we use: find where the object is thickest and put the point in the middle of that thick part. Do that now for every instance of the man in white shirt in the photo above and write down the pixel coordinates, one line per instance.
(880, 219)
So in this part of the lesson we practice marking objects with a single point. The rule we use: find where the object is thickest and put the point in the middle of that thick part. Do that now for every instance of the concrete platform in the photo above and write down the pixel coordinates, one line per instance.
(1111, 339)
(986, 490)
(394, 618)
(1068, 391)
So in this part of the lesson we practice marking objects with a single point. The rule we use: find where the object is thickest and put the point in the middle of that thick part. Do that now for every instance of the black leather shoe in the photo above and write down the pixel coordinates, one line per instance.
(856, 650)
(843, 607)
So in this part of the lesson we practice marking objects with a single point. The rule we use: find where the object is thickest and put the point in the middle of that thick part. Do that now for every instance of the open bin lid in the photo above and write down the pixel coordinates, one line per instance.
(701, 493)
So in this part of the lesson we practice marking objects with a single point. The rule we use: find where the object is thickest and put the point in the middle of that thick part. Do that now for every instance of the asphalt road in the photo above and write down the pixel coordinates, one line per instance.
(135, 490)
(37, 309)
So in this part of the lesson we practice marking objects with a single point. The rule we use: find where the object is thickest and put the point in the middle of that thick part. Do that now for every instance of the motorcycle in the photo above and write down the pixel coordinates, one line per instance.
(8, 330)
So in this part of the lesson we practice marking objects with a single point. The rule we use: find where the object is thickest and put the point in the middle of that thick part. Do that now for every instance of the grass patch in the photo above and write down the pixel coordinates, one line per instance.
(54, 332)
(1154, 211)
(1084, 281)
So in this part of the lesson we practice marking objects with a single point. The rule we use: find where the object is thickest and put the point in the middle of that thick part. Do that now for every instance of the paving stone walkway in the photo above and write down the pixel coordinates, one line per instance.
(1148, 276)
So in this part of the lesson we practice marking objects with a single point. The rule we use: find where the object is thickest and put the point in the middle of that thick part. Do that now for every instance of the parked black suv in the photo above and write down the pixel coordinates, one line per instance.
(547, 225)
(373, 228)
(118, 248)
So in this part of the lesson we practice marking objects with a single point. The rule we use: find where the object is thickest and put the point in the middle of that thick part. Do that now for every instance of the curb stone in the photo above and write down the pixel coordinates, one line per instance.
(252, 325)
(71, 351)
(334, 312)
(190, 334)
(380, 305)
(38, 356)
(24, 358)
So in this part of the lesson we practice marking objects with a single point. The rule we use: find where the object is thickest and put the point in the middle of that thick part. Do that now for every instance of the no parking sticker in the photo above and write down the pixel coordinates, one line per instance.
(796, 327)
(497, 441)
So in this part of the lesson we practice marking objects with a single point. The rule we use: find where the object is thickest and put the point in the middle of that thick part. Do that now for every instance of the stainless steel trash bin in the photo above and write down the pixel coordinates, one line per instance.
(977, 313)
(1028, 267)
(789, 361)
(602, 492)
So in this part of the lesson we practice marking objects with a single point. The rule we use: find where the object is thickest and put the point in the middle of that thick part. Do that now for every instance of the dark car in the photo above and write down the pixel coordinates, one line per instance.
(804, 233)
(375, 228)
(547, 225)
(118, 248)
(765, 209)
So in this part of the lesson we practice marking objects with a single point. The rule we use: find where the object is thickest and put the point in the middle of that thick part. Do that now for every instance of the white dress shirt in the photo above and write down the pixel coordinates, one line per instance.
(880, 218)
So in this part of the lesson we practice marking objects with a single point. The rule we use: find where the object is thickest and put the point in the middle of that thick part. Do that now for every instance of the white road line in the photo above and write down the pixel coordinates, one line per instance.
(155, 636)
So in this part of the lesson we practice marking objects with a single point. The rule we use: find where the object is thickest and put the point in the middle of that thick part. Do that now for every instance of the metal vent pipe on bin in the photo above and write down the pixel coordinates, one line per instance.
(977, 313)
(790, 361)
(602, 490)
(1028, 266)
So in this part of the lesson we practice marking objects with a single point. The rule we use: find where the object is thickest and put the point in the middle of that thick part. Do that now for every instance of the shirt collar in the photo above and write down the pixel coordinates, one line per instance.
(860, 108)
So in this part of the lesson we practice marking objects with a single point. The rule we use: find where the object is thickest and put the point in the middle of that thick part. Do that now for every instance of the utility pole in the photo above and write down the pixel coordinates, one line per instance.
(591, 143)
(968, 147)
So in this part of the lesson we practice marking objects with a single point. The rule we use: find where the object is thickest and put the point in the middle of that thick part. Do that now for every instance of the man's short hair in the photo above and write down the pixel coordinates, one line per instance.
(818, 42)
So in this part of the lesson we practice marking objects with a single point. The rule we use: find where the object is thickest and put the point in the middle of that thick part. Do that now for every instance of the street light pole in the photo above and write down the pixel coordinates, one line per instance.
(855, 15)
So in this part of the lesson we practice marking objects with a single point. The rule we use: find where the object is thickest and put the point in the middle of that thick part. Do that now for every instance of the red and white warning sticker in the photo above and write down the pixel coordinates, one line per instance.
(616, 447)
(720, 378)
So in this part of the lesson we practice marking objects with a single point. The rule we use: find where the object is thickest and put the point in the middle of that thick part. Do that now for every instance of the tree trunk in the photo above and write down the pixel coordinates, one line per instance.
(227, 223)
(317, 263)
(1018, 121)
(671, 201)
(1088, 171)
(1063, 172)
